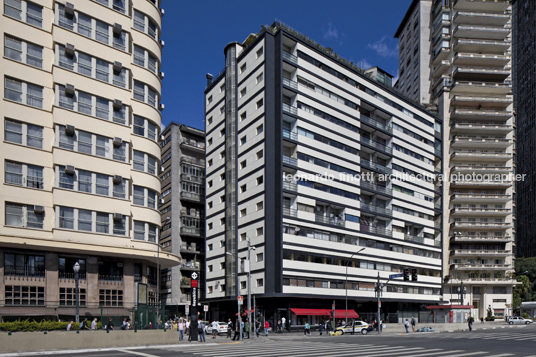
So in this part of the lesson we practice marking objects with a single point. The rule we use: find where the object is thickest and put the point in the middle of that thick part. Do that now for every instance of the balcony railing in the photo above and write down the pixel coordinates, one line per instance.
(189, 266)
(290, 83)
(110, 277)
(373, 165)
(484, 196)
(191, 231)
(374, 123)
(290, 109)
(334, 221)
(478, 252)
(193, 144)
(480, 224)
(483, 210)
(192, 178)
(290, 186)
(191, 195)
(377, 230)
(12, 270)
(376, 145)
(413, 238)
(370, 186)
(70, 276)
(290, 160)
(290, 212)
(467, 266)
(290, 58)
(375, 209)
(287, 134)
(193, 160)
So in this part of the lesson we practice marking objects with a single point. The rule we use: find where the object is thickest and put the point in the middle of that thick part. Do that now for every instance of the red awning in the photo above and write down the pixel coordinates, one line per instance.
(245, 313)
(341, 314)
(310, 312)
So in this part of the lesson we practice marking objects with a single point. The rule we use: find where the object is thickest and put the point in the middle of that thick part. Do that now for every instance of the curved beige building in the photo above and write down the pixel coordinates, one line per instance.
(81, 112)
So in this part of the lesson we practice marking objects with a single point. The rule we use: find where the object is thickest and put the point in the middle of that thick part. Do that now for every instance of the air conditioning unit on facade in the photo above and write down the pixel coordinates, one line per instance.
(69, 170)
(117, 29)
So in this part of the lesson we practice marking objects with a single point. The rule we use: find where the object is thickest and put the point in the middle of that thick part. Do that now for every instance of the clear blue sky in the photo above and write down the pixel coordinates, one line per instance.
(196, 32)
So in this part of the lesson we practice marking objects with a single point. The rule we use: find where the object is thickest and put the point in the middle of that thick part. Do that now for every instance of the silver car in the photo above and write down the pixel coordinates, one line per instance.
(517, 320)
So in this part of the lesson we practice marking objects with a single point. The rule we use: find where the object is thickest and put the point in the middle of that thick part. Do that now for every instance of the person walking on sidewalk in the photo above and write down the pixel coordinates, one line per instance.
(181, 330)
(257, 327)
(201, 330)
(321, 327)
(470, 321)
(406, 325)
(307, 329)
(413, 323)
(246, 328)
(284, 323)
(214, 328)
(266, 327)
(229, 328)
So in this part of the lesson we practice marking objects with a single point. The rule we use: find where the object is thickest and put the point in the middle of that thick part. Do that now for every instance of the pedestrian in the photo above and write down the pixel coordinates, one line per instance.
(109, 325)
(70, 326)
(320, 327)
(181, 328)
(214, 328)
(279, 329)
(307, 329)
(242, 326)
(406, 325)
(289, 323)
(470, 323)
(201, 330)
(266, 327)
(283, 323)
(482, 320)
(83, 325)
(129, 326)
(246, 328)
(413, 322)
(353, 327)
(229, 328)
(94, 324)
(124, 324)
(328, 327)
(257, 327)
(237, 330)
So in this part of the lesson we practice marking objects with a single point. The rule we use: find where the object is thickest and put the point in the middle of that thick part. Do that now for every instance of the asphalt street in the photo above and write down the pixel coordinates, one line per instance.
(498, 342)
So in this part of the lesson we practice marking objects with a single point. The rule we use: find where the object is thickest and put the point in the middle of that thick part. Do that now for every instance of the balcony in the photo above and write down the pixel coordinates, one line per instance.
(441, 68)
(375, 209)
(468, 266)
(473, 155)
(480, 225)
(481, 184)
(191, 196)
(287, 134)
(333, 221)
(193, 144)
(472, 253)
(110, 277)
(480, 239)
(492, 88)
(412, 238)
(290, 109)
(481, 5)
(290, 186)
(189, 266)
(290, 83)
(26, 271)
(486, 281)
(481, 129)
(376, 145)
(481, 32)
(479, 59)
(372, 165)
(490, 114)
(291, 58)
(290, 212)
(290, 161)
(480, 18)
(475, 198)
(481, 46)
(189, 250)
(376, 230)
(468, 142)
(375, 188)
(375, 124)
(193, 160)
(440, 53)
(191, 231)
(192, 178)
(480, 75)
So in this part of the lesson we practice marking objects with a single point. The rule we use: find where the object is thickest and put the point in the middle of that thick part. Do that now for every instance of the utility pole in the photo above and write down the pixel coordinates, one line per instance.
(248, 267)
(379, 291)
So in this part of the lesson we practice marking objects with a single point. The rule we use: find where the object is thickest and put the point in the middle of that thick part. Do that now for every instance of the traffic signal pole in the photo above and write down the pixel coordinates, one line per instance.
(379, 291)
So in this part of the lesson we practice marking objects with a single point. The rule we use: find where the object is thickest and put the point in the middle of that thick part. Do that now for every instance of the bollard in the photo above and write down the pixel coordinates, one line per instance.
(45, 332)
(9, 333)
(107, 331)
(77, 332)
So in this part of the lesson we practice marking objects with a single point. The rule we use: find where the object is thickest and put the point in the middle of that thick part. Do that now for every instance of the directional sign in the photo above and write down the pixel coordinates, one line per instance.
(240, 300)
(205, 308)
(396, 276)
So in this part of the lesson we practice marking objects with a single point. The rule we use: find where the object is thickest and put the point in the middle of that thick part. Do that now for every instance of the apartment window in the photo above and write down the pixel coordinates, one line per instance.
(23, 51)
(27, 295)
(145, 59)
(260, 52)
(145, 24)
(243, 212)
(24, 175)
(209, 120)
(24, 134)
(260, 283)
(210, 247)
(146, 128)
(18, 215)
(260, 103)
(260, 205)
(222, 265)
(260, 180)
(89, 221)
(242, 285)
(222, 132)
(210, 205)
(144, 162)
(243, 164)
(222, 88)
(243, 140)
(144, 93)
(210, 268)
(222, 243)
(243, 92)
(260, 77)
(242, 188)
(243, 116)
(222, 177)
(68, 296)
(222, 110)
(209, 291)
(260, 257)
(23, 92)
(101, 32)
(222, 221)
(222, 155)
(209, 183)
(24, 11)
(209, 99)
(243, 68)
(222, 199)
(209, 142)
(260, 154)
(243, 237)
(210, 225)
(260, 129)
(210, 163)
(110, 297)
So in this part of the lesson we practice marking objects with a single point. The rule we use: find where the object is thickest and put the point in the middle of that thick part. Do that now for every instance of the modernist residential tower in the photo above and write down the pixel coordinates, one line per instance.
(302, 154)
(463, 70)
(80, 156)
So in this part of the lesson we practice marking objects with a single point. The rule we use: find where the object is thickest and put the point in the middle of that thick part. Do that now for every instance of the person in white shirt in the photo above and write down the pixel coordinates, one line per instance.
(94, 325)
(214, 329)
(283, 320)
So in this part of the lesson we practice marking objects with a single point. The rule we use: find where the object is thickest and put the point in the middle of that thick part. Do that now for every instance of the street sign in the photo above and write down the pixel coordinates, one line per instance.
(396, 276)
(187, 309)
(194, 283)
(205, 308)
(240, 300)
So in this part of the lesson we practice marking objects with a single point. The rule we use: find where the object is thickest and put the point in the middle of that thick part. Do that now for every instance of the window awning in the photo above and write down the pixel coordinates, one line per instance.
(310, 312)
(341, 314)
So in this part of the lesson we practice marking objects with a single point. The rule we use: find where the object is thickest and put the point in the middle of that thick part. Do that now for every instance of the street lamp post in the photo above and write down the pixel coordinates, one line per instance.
(76, 269)
(250, 248)
(346, 283)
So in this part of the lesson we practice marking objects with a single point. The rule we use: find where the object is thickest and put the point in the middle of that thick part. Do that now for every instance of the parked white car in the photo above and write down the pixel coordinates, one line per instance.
(360, 327)
(222, 328)
(517, 320)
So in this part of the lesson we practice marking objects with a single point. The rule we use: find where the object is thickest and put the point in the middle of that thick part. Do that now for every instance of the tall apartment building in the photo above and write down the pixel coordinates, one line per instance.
(80, 155)
(183, 211)
(524, 37)
(301, 146)
(468, 80)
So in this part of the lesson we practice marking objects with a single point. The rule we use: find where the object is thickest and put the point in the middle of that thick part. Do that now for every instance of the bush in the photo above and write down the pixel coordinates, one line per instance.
(43, 325)
(525, 315)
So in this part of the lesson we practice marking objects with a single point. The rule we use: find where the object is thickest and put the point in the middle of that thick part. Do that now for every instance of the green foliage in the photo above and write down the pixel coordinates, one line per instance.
(490, 313)
(43, 325)
(525, 315)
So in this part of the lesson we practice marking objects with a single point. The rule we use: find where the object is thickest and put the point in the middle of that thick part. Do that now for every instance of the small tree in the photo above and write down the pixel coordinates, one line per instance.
(490, 312)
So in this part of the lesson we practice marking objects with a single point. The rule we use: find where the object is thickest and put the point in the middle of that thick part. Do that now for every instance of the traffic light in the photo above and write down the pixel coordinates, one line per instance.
(331, 313)
(413, 274)
(406, 274)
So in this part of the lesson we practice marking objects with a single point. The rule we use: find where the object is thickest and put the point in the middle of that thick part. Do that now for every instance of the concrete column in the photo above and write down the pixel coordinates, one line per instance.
(52, 292)
(129, 295)
(92, 277)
